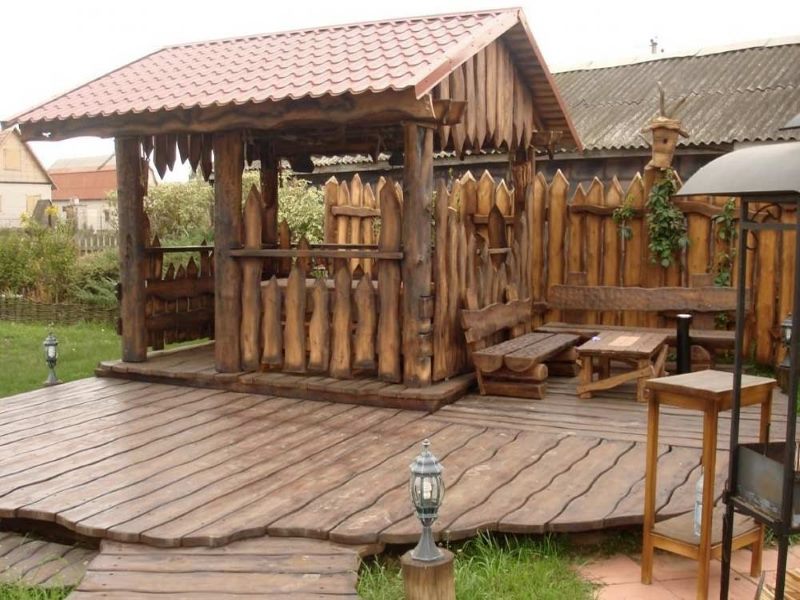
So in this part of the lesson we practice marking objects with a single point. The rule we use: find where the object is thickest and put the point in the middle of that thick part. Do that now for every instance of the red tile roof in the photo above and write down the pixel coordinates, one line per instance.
(394, 54)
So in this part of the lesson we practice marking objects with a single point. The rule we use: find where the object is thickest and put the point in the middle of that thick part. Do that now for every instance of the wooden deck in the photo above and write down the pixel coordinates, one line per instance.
(170, 466)
(31, 561)
(263, 567)
(194, 366)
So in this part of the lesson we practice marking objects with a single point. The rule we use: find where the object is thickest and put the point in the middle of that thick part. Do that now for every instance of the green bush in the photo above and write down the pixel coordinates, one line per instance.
(39, 262)
(96, 277)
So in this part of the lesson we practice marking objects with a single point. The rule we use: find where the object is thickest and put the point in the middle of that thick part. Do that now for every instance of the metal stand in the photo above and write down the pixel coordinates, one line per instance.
(782, 526)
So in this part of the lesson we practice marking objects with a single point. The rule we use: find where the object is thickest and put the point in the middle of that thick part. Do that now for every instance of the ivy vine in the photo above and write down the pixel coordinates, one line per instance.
(622, 216)
(725, 223)
(665, 223)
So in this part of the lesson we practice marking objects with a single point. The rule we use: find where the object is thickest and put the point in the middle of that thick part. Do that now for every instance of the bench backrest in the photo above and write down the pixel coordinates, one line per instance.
(699, 299)
(482, 323)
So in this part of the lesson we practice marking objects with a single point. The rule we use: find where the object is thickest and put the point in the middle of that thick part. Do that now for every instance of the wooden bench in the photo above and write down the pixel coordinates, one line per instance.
(702, 301)
(518, 366)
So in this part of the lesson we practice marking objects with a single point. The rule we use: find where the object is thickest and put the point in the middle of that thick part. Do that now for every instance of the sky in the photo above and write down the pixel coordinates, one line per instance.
(48, 47)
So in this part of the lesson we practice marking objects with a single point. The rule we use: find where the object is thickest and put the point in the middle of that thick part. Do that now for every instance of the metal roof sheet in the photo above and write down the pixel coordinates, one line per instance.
(363, 57)
(729, 96)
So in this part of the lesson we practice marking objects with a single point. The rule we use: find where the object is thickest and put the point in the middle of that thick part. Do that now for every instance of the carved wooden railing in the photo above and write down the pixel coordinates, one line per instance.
(317, 313)
(179, 301)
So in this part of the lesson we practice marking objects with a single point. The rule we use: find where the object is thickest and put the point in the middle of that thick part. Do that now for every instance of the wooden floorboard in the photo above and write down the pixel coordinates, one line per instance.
(177, 466)
(260, 568)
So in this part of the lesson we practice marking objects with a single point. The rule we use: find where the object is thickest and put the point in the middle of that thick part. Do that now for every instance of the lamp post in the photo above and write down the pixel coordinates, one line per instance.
(51, 358)
(427, 493)
(786, 340)
(427, 570)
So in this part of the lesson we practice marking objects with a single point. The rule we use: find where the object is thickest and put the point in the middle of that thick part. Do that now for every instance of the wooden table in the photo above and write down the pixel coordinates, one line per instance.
(709, 392)
(645, 351)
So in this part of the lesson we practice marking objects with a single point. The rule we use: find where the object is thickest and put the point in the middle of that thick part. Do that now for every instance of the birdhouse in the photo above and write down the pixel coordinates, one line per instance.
(665, 133)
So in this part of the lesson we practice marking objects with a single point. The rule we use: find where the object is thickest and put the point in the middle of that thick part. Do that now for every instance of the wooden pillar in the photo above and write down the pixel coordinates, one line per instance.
(269, 195)
(130, 203)
(228, 165)
(434, 580)
(417, 217)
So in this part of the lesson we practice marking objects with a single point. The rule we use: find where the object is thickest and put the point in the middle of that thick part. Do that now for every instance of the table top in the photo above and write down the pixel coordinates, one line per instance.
(631, 344)
(709, 384)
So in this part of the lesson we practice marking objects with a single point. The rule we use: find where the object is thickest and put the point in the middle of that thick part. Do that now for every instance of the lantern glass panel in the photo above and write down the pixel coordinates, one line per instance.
(51, 351)
(786, 330)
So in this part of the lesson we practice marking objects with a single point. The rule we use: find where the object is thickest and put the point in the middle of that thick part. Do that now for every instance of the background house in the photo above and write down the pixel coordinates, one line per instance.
(24, 183)
(82, 188)
(729, 97)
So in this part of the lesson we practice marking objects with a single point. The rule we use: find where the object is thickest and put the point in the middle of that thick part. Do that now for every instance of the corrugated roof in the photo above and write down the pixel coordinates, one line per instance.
(739, 95)
(357, 58)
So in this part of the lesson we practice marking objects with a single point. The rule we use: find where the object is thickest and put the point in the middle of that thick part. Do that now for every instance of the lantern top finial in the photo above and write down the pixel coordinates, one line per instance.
(426, 463)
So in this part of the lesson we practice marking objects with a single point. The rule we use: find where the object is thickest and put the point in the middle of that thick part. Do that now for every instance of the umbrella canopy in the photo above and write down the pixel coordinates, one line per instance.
(793, 123)
(772, 170)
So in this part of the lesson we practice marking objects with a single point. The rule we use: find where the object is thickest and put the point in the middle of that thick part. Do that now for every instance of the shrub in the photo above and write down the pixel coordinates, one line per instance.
(96, 277)
(15, 274)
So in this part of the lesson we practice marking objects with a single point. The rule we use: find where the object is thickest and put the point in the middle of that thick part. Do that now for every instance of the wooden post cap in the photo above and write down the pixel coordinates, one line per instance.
(429, 580)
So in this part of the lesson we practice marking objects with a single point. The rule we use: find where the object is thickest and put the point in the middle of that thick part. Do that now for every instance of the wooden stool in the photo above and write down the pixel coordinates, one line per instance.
(709, 392)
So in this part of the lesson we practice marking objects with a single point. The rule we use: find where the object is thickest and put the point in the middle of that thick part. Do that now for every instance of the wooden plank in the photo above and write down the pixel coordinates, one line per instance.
(228, 165)
(633, 250)
(593, 241)
(766, 265)
(342, 222)
(368, 226)
(389, 336)
(471, 114)
(330, 202)
(525, 358)
(348, 253)
(416, 266)
(611, 251)
(480, 110)
(130, 193)
(340, 367)
(356, 201)
(251, 284)
(294, 331)
(492, 84)
(441, 335)
(572, 483)
(319, 344)
(364, 338)
(458, 91)
(271, 333)
(557, 226)
(707, 299)
(537, 238)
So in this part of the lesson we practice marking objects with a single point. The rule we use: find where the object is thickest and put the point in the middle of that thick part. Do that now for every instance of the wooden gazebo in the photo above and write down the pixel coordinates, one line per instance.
(463, 82)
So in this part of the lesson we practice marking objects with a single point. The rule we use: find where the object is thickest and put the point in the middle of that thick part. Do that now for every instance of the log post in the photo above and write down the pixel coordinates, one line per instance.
(269, 197)
(228, 165)
(417, 195)
(432, 580)
(130, 202)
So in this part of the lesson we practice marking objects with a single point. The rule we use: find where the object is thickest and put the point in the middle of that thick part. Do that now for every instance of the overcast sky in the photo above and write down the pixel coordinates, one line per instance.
(48, 47)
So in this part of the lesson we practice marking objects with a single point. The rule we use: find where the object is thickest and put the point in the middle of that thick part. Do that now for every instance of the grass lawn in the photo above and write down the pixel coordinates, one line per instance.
(492, 567)
(12, 591)
(80, 348)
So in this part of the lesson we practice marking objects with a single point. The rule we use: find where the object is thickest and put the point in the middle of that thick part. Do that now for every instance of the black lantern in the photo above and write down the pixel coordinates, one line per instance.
(427, 493)
(51, 358)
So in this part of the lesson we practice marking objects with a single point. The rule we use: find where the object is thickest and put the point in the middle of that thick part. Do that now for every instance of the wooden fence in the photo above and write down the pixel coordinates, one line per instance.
(13, 308)
(575, 240)
(89, 242)
(179, 301)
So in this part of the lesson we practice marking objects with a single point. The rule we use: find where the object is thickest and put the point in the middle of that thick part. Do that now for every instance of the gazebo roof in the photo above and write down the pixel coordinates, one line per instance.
(408, 55)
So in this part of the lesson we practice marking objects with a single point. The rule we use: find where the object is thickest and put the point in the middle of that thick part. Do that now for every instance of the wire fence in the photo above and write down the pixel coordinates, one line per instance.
(13, 308)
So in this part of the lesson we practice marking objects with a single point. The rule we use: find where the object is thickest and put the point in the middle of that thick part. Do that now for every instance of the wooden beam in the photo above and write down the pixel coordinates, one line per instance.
(228, 165)
(416, 268)
(130, 203)
(388, 107)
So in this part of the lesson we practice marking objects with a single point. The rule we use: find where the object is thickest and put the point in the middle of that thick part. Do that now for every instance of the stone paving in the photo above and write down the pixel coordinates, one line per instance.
(619, 576)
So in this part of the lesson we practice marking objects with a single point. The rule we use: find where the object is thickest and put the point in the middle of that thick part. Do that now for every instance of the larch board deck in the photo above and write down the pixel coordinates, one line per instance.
(171, 466)
(261, 568)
